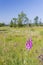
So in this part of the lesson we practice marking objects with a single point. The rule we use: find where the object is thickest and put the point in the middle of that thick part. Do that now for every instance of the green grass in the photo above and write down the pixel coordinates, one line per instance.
(12, 46)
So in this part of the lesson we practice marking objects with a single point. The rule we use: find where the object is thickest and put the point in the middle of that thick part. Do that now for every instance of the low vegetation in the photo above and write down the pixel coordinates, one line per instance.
(12, 46)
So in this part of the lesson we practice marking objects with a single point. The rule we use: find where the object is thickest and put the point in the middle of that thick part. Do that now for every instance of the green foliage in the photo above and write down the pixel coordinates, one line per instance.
(20, 21)
(2, 24)
(11, 23)
(15, 22)
(22, 18)
(36, 20)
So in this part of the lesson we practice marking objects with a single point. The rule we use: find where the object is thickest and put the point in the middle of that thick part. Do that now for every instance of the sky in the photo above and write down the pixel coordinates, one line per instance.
(11, 8)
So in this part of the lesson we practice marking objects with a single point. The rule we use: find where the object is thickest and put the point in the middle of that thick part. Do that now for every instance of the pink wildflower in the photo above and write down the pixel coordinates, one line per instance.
(29, 44)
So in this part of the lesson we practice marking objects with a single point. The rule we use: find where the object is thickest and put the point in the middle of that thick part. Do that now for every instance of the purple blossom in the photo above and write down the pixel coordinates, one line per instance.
(29, 44)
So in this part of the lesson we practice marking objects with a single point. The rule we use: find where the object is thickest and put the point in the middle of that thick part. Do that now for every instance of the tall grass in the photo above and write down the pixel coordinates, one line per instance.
(13, 50)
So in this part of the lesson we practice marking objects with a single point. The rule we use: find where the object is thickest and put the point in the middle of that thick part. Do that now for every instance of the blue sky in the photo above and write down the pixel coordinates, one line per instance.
(11, 8)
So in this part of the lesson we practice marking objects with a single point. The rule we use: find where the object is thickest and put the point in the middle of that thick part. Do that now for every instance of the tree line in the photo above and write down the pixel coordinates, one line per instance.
(23, 20)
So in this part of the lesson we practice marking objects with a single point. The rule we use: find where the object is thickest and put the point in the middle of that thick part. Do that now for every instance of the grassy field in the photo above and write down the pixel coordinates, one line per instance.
(12, 46)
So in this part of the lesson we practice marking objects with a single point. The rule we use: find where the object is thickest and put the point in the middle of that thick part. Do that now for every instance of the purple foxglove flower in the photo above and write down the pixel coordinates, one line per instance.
(29, 44)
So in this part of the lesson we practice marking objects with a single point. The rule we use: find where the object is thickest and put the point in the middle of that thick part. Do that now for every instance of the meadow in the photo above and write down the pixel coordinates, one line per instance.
(12, 46)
